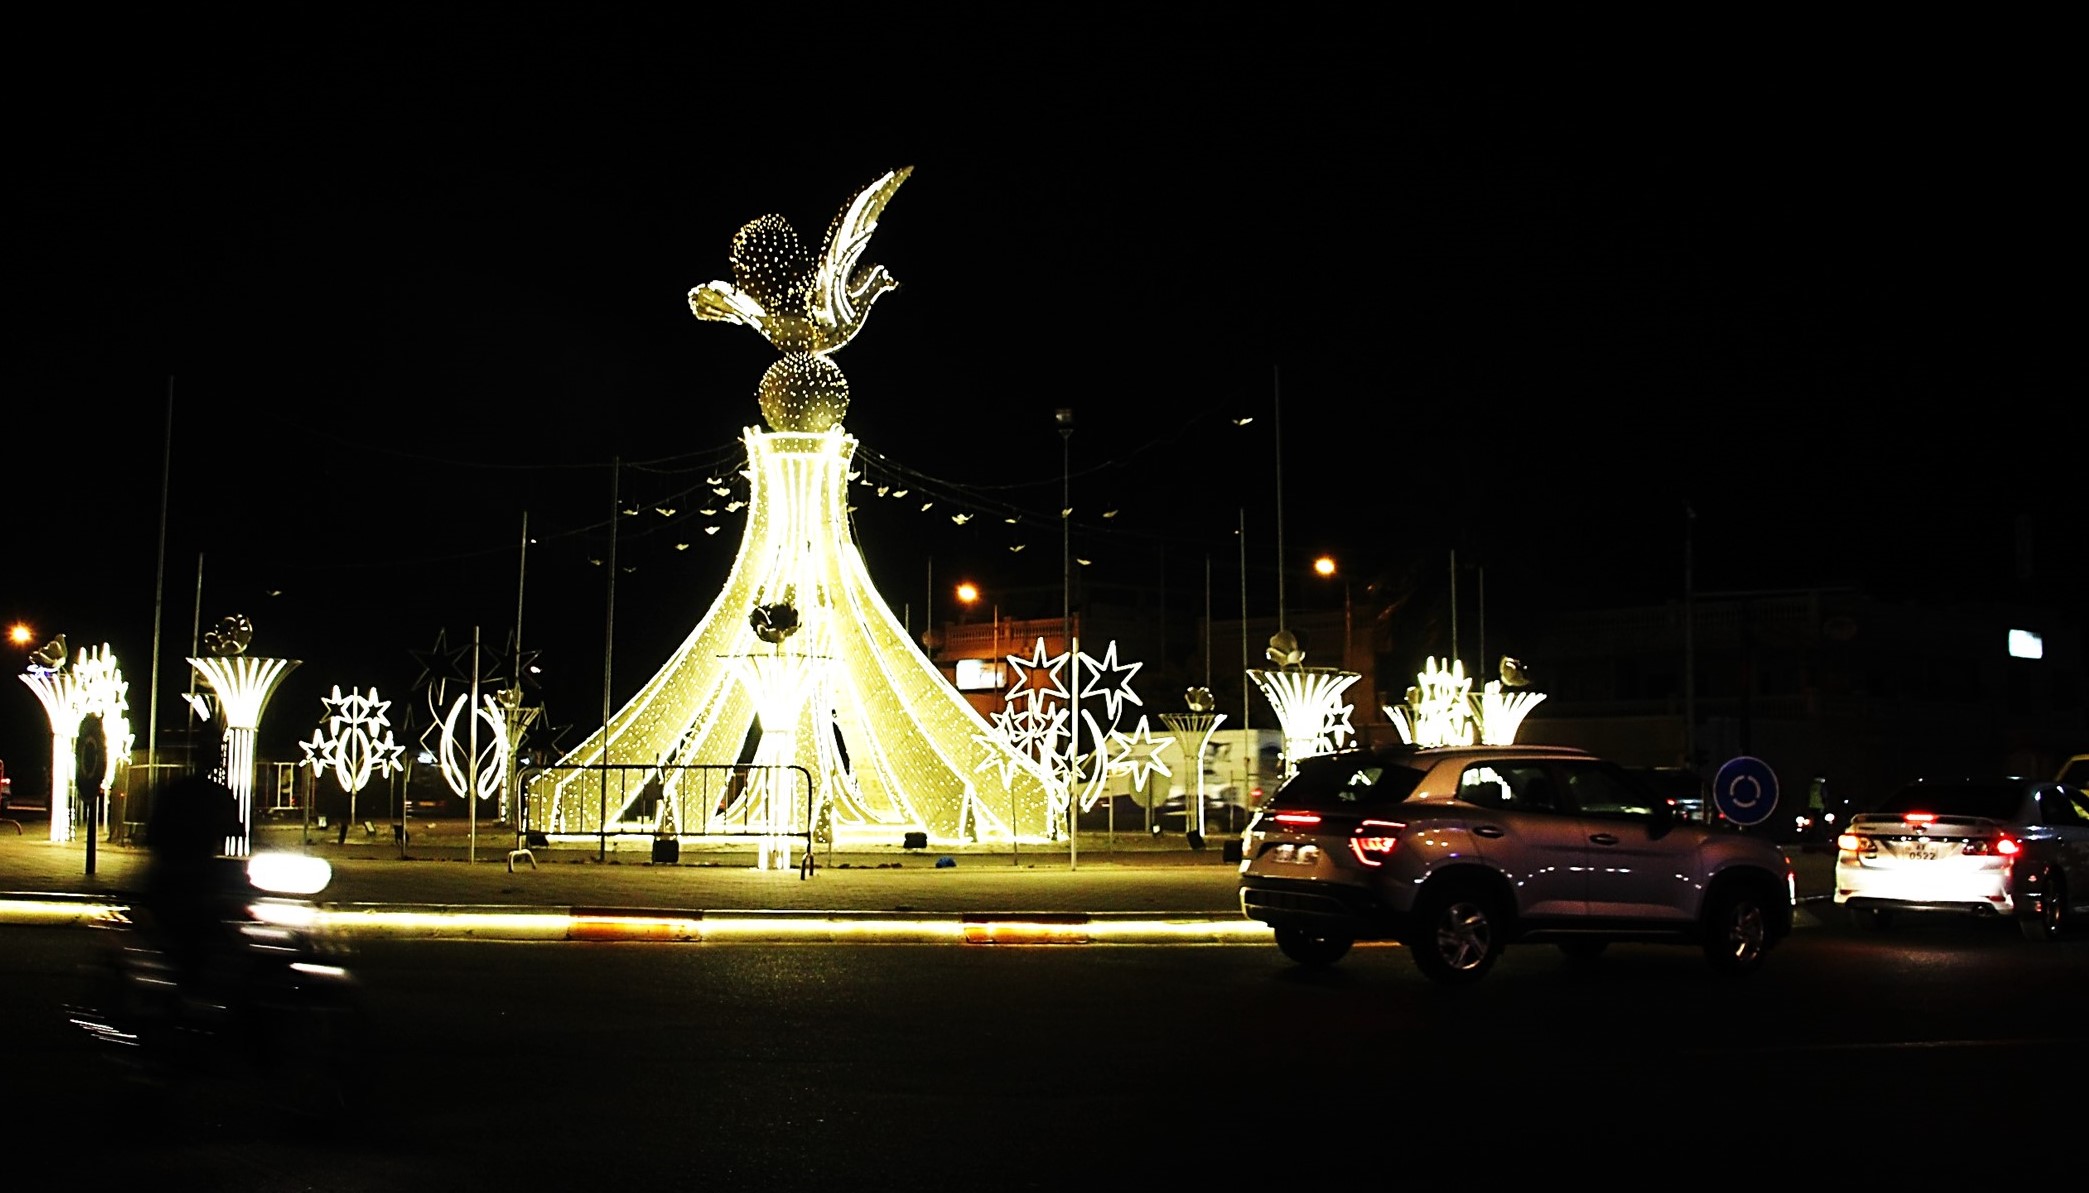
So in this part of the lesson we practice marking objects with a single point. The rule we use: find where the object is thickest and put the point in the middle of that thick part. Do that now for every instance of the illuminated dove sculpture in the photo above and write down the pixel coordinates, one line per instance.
(807, 307)
(50, 656)
(1284, 650)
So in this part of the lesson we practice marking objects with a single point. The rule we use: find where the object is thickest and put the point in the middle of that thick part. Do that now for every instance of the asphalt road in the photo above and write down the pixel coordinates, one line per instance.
(515, 1065)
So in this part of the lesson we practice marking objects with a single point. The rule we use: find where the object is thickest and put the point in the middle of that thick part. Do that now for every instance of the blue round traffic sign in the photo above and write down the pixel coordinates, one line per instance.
(1745, 790)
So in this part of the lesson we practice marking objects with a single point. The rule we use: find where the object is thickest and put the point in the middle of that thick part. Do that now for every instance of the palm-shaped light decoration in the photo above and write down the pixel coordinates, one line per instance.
(240, 688)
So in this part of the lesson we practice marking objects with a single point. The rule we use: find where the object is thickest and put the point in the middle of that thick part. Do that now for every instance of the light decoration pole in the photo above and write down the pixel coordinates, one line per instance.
(1042, 709)
(242, 685)
(517, 718)
(475, 767)
(71, 690)
(1032, 721)
(1441, 709)
(891, 744)
(781, 684)
(1311, 713)
(354, 742)
(1198, 724)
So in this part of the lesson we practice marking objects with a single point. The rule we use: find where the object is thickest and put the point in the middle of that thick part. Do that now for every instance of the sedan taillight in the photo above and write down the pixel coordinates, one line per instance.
(1375, 840)
(2003, 846)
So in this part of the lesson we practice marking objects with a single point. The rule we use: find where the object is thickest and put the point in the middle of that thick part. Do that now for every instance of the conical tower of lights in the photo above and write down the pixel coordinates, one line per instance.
(885, 743)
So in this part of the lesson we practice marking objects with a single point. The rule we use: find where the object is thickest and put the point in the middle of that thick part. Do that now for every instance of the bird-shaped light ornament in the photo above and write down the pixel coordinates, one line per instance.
(774, 623)
(230, 637)
(1284, 649)
(50, 656)
(807, 307)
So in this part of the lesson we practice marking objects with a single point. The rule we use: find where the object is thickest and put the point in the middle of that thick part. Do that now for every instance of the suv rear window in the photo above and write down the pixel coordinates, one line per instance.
(1361, 781)
(1996, 801)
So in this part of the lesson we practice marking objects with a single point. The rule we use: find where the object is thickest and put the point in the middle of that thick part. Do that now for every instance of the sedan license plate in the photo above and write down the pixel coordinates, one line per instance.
(1922, 851)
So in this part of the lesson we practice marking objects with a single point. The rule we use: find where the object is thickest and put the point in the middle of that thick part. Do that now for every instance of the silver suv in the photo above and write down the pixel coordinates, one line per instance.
(1458, 851)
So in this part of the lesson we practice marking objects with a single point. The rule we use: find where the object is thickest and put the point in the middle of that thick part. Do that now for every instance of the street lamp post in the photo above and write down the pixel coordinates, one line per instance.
(1325, 566)
(968, 593)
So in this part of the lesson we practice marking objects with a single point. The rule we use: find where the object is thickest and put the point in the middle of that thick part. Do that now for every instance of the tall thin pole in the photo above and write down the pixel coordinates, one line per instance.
(471, 781)
(1015, 843)
(609, 642)
(1247, 702)
(1065, 419)
(522, 560)
(1454, 604)
(1277, 424)
(1207, 621)
(196, 643)
(1482, 663)
(1689, 638)
(521, 572)
(159, 600)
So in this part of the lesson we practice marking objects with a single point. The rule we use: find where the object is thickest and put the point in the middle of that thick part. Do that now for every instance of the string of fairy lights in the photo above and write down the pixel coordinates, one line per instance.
(677, 502)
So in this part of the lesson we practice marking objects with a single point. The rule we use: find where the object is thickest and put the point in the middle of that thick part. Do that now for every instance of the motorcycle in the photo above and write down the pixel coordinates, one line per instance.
(265, 1007)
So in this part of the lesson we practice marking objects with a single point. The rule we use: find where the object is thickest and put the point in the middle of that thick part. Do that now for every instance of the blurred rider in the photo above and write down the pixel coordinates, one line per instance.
(193, 894)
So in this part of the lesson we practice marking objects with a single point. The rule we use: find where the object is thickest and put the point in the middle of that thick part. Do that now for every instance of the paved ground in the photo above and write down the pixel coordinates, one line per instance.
(451, 875)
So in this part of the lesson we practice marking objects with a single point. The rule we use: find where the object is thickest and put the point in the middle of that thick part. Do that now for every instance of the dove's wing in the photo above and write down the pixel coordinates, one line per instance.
(726, 303)
(840, 296)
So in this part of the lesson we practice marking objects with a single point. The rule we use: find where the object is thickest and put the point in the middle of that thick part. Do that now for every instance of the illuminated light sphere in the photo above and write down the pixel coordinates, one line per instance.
(804, 393)
(771, 265)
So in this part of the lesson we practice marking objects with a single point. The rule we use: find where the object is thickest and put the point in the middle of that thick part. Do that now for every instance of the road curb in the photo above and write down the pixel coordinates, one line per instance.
(691, 926)
(430, 921)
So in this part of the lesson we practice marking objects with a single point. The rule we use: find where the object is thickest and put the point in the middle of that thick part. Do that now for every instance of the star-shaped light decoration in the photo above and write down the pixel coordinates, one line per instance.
(997, 751)
(1336, 729)
(1110, 680)
(1037, 677)
(1035, 731)
(1139, 754)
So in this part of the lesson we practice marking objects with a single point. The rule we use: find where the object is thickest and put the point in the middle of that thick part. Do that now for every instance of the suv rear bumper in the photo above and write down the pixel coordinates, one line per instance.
(1356, 912)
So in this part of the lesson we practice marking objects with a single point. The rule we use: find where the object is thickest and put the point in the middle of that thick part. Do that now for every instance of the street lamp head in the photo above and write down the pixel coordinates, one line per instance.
(1325, 565)
(1064, 416)
(968, 592)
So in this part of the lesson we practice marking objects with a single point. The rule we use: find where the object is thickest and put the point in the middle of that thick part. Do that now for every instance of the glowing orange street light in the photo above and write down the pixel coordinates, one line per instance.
(1325, 566)
(20, 635)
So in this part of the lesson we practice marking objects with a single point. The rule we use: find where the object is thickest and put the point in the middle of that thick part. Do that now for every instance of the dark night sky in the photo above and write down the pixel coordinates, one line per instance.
(414, 273)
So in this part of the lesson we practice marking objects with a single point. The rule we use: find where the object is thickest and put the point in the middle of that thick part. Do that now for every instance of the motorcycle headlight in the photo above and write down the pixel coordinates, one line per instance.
(289, 873)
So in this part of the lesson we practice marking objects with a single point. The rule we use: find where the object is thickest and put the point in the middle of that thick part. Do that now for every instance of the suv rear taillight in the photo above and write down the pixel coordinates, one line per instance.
(1375, 840)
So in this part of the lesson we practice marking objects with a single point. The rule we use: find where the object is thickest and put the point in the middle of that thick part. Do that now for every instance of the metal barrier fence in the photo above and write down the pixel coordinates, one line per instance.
(686, 803)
